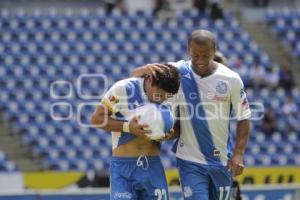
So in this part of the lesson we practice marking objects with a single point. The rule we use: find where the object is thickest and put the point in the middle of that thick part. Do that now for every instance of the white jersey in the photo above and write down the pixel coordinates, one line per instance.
(205, 106)
(123, 97)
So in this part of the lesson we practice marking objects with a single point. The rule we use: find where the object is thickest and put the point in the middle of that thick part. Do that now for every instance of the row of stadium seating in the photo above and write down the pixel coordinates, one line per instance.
(286, 25)
(6, 164)
(38, 108)
(40, 49)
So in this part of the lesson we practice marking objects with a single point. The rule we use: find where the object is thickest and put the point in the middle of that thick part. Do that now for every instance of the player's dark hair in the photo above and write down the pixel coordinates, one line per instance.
(168, 80)
(220, 58)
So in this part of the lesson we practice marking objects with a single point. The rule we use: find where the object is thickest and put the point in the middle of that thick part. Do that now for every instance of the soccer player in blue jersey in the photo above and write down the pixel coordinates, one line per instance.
(136, 171)
(206, 158)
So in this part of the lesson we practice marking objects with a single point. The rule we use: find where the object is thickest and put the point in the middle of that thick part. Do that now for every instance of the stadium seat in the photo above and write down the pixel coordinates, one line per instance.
(40, 49)
(5, 164)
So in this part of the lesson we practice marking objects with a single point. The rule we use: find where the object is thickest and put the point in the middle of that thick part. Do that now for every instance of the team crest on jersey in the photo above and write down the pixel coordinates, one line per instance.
(187, 191)
(113, 99)
(221, 87)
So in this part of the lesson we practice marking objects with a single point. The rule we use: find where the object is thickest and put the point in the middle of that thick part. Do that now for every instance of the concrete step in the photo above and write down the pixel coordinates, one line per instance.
(28, 165)
(253, 21)
(19, 154)
(259, 32)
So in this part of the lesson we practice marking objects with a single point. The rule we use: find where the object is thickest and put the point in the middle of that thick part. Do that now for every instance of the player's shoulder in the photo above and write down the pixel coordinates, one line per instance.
(128, 82)
(126, 87)
(227, 73)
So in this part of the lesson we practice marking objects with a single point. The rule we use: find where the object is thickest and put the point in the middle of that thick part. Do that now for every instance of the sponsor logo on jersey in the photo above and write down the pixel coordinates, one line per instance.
(220, 98)
(216, 97)
(123, 195)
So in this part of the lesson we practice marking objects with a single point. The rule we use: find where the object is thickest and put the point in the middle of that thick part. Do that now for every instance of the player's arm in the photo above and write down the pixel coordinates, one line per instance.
(243, 114)
(243, 130)
(175, 132)
(109, 106)
(101, 119)
(149, 69)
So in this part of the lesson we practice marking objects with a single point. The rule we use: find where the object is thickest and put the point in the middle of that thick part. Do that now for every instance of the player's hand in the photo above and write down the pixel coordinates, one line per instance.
(137, 129)
(171, 135)
(236, 165)
(153, 69)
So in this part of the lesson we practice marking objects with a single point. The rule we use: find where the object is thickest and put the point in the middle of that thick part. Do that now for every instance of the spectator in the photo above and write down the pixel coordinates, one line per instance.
(110, 5)
(289, 108)
(220, 58)
(260, 3)
(272, 78)
(269, 123)
(286, 79)
(257, 76)
(200, 5)
(162, 9)
(216, 11)
(290, 111)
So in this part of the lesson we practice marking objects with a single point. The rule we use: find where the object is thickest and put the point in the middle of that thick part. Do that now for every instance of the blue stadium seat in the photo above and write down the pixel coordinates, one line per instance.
(40, 49)
(5, 164)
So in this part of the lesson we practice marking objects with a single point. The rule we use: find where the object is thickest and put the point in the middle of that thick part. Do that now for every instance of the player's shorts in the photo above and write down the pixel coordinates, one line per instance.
(138, 178)
(204, 182)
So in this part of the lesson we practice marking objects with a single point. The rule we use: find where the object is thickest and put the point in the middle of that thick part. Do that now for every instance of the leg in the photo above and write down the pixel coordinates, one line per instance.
(153, 182)
(220, 184)
(120, 186)
(236, 192)
(194, 180)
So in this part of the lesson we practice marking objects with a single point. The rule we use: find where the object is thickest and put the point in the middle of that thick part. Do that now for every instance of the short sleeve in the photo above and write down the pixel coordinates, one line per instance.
(239, 99)
(113, 96)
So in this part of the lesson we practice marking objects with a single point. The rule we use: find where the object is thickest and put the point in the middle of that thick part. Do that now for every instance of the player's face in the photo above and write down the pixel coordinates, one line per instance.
(157, 95)
(200, 55)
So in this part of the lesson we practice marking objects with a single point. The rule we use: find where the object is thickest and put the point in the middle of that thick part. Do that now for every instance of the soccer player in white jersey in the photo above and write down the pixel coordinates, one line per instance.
(206, 158)
(136, 171)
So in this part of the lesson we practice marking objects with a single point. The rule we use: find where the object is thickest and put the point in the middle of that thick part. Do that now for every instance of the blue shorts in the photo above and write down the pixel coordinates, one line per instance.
(204, 182)
(138, 178)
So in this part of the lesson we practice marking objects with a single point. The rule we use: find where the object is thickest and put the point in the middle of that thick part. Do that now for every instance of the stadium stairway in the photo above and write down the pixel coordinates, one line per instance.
(10, 144)
(272, 45)
(260, 33)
